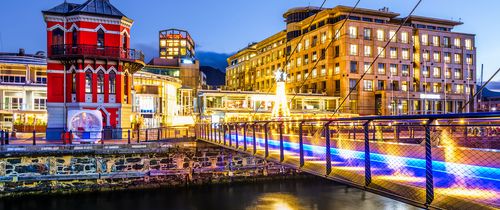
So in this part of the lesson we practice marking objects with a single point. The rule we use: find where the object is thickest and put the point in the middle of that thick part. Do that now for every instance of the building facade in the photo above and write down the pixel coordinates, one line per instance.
(90, 63)
(426, 67)
(23, 91)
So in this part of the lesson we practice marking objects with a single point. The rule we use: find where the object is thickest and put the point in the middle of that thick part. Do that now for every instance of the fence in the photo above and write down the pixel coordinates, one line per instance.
(107, 136)
(441, 161)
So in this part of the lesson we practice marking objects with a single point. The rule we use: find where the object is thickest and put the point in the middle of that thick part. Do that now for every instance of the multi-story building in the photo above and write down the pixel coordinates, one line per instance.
(157, 99)
(425, 68)
(23, 91)
(90, 63)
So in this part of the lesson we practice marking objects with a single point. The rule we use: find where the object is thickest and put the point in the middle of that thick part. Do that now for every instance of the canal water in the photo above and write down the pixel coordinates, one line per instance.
(314, 193)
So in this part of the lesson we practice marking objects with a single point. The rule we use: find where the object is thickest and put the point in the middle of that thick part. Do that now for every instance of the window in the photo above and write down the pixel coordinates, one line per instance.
(368, 51)
(353, 32)
(436, 41)
(405, 53)
(352, 83)
(447, 57)
(100, 38)
(323, 54)
(40, 103)
(323, 37)
(124, 41)
(425, 71)
(436, 73)
(354, 67)
(299, 61)
(436, 87)
(447, 73)
(88, 81)
(404, 37)
(459, 88)
(100, 82)
(314, 56)
(306, 59)
(394, 69)
(425, 39)
(468, 44)
(337, 68)
(314, 41)
(125, 87)
(425, 55)
(299, 47)
(112, 82)
(73, 81)
(405, 70)
(468, 59)
(404, 86)
(74, 37)
(337, 51)
(367, 33)
(306, 44)
(354, 49)
(337, 34)
(457, 42)
(368, 85)
(381, 68)
(314, 73)
(368, 68)
(394, 52)
(381, 52)
(380, 35)
(458, 74)
(57, 37)
(458, 58)
(446, 42)
(437, 56)
(392, 36)
(381, 85)
(323, 70)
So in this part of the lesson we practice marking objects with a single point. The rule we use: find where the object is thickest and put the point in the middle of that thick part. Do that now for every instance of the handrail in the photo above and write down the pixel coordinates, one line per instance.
(94, 50)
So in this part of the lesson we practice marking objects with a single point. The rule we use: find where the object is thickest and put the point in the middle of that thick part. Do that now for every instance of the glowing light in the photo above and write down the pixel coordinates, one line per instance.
(280, 108)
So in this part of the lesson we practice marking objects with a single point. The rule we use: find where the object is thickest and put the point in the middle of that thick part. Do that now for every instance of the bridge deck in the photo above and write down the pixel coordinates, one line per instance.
(393, 162)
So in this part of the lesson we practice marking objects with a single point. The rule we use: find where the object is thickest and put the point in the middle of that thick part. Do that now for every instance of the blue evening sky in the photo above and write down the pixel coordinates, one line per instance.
(224, 26)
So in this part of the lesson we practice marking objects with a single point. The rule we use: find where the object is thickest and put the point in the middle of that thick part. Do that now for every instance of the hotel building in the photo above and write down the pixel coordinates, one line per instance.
(23, 91)
(426, 67)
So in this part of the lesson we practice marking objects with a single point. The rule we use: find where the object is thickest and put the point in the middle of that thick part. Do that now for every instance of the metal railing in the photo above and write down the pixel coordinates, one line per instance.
(106, 136)
(94, 50)
(440, 161)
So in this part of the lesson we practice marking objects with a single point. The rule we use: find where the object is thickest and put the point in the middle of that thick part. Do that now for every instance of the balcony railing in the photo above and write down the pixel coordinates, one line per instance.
(96, 51)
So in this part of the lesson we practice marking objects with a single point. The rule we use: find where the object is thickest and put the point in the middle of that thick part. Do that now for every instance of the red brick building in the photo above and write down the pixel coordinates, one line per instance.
(90, 63)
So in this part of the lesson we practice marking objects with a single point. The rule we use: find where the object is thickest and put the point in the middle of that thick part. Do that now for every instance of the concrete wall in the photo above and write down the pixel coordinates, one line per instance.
(67, 171)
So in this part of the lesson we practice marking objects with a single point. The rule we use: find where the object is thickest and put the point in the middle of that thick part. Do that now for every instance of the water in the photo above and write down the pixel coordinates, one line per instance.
(314, 193)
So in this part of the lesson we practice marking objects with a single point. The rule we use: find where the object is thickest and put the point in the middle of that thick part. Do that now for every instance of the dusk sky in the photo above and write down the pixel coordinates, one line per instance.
(225, 26)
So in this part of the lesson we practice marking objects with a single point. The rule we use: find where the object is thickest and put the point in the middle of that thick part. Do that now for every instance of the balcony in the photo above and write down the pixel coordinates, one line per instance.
(93, 51)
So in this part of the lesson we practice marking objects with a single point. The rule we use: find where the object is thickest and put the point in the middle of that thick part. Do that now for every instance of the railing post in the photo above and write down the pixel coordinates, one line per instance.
(244, 136)
(6, 138)
(147, 134)
(236, 134)
(224, 133)
(282, 153)
(128, 136)
(328, 152)
(266, 144)
(429, 179)
(229, 132)
(210, 131)
(368, 170)
(254, 138)
(2, 137)
(217, 133)
(102, 137)
(301, 144)
(70, 140)
(159, 134)
(34, 137)
(138, 135)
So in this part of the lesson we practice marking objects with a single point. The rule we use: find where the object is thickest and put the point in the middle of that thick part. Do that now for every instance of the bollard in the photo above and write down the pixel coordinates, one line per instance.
(128, 136)
(34, 137)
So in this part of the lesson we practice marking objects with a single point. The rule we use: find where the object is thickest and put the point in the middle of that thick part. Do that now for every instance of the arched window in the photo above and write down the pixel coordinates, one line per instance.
(112, 82)
(88, 81)
(73, 81)
(57, 37)
(124, 41)
(125, 87)
(100, 82)
(100, 38)
(74, 37)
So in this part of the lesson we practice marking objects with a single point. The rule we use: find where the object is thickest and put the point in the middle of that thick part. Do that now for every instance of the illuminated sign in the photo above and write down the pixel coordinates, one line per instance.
(430, 96)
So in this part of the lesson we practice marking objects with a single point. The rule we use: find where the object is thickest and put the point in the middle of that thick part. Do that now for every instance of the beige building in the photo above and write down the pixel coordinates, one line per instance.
(426, 67)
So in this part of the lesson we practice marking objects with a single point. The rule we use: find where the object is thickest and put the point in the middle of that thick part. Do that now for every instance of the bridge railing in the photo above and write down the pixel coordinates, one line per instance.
(443, 161)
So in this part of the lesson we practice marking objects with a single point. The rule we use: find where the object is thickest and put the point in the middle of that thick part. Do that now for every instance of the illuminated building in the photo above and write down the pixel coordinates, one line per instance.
(426, 68)
(221, 105)
(90, 63)
(489, 101)
(23, 91)
(156, 100)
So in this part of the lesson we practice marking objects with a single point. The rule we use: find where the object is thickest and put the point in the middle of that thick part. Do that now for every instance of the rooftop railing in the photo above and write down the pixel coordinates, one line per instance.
(58, 51)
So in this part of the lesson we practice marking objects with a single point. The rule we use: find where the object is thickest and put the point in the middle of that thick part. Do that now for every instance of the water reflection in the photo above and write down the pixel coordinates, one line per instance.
(275, 201)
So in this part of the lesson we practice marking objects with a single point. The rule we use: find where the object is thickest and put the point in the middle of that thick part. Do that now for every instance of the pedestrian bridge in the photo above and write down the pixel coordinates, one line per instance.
(431, 161)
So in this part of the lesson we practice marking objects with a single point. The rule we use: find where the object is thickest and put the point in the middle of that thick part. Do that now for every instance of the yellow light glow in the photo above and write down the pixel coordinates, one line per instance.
(280, 108)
